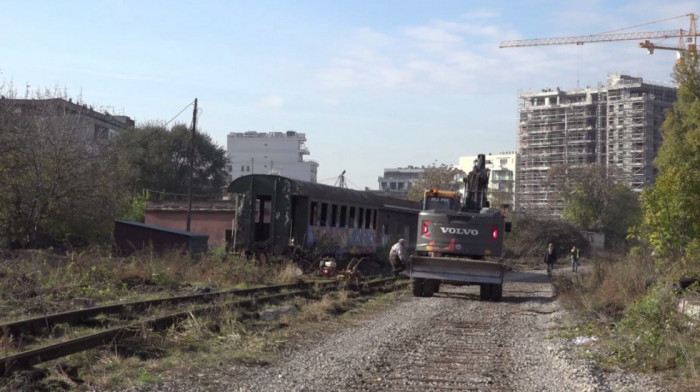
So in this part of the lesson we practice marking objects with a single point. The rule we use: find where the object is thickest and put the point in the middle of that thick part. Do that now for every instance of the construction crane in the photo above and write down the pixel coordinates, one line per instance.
(686, 38)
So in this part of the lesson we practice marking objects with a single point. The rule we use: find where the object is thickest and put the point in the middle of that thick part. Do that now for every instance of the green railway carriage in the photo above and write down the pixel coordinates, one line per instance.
(275, 214)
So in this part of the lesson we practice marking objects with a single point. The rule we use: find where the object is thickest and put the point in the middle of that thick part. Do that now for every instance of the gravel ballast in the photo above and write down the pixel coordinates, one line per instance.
(451, 341)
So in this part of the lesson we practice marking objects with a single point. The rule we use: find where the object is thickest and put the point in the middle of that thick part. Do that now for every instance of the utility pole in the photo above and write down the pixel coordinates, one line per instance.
(189, 190)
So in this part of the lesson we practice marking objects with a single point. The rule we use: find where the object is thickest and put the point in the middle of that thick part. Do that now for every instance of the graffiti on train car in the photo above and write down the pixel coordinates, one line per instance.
(353, 240)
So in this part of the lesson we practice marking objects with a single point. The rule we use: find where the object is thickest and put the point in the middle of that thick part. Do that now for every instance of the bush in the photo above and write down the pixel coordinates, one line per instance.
(529, 237)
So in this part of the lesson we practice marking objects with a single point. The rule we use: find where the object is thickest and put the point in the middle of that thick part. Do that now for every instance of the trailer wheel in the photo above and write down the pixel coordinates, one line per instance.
(417, 287)
(496, 292)
(429, 287)
(484, 291)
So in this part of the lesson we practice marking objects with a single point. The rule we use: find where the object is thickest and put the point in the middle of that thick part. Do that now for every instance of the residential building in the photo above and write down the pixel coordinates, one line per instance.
(617, 125)
(82, 119)
(279, 153)
(396, 182)
(502, 168)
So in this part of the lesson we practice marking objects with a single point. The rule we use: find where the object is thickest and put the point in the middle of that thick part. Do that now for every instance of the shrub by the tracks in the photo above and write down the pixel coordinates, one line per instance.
(530, 236)
(36, 282)
(631, 304)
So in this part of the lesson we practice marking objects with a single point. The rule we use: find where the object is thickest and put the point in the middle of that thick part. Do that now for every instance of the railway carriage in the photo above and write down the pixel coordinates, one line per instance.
(276, 214)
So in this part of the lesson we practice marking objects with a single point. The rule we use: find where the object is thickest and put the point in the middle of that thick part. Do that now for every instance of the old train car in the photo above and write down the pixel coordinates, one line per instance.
(276, 214)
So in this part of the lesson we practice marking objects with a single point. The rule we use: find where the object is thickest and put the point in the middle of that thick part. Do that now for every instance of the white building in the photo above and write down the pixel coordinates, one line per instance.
(502, 178)
(396, 182)
(270, 153)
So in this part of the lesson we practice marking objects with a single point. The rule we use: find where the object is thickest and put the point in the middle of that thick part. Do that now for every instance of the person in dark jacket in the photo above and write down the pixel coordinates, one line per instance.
(550, 257)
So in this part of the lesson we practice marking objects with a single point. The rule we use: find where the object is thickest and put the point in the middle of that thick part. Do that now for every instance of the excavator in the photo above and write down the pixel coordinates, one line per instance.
(460, 239)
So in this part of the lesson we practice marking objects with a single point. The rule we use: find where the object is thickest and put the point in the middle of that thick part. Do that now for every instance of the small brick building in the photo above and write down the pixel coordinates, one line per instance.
(213, 218)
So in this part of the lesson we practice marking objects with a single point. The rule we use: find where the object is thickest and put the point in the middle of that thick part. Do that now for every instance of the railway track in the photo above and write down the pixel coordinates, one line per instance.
(214, 303)
(474, 360)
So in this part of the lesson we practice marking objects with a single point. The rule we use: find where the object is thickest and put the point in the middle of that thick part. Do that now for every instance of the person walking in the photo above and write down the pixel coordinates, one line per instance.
(397, 257)
(550, 257)
(574, 255)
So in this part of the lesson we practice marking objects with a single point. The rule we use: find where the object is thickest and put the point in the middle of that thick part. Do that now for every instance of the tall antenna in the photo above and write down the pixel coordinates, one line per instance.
(340, 182)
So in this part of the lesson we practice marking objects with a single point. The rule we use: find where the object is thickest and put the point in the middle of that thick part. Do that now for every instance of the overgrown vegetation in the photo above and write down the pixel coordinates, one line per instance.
(530, 236)
(631, 300)
(40, 282)
(35, 282)
(64, 179)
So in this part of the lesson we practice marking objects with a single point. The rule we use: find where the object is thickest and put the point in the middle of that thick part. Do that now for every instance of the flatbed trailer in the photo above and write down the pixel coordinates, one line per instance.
(428, 273)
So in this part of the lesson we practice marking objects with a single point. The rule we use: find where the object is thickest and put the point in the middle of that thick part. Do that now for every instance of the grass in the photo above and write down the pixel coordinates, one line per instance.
(34, 283)
(630, 303)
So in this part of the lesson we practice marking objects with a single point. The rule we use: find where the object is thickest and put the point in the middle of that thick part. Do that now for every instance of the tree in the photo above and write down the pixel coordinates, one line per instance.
(442, 177)
(157, 159)
(58, 182)
(672, 206)
(594, 201)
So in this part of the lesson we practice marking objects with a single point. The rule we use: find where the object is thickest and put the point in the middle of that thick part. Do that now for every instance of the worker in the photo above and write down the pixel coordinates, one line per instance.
(550, 257)
(397, 257)
(574, 255)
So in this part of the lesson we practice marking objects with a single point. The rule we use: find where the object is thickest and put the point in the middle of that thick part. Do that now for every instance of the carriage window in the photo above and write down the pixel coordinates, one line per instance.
(312, 215)
(324, 214)
(343, 215)
(360, 215)
(368, 218)
(351, 219)
(374, 219)
(334, 215)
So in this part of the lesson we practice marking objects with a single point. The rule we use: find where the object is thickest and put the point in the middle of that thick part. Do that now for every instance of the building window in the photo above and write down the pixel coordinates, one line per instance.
(334, 215)
(351, 219)
(313, 212)
(343, 216)
(324, 214)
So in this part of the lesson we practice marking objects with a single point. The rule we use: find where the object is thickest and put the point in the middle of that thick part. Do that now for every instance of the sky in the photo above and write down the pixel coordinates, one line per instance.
(372, 84)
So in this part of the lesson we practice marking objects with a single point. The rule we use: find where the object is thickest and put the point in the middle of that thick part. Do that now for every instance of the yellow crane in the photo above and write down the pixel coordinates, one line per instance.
(686, 38)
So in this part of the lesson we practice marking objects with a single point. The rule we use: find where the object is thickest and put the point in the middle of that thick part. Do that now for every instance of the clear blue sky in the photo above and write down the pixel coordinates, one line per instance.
(373, 84)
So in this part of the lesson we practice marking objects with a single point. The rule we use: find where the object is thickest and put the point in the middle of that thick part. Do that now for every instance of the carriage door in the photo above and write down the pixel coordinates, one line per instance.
(300, 219)
(263, 213)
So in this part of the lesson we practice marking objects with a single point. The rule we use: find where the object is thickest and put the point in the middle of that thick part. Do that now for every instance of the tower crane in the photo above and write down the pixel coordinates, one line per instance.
(686, 38)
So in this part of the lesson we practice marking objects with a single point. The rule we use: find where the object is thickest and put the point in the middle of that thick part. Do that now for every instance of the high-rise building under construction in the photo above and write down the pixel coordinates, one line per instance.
(617, 125)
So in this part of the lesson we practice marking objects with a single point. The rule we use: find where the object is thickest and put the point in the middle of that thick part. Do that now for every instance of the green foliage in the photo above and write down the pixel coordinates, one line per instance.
(672, 206)
(137, 208)
(59, 183)
(443, 177)
(157, 159)
(593, 201)
(529, 237)
(650, 332)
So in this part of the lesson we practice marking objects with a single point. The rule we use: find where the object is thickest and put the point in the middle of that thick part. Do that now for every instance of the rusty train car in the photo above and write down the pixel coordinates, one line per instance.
(275, 214)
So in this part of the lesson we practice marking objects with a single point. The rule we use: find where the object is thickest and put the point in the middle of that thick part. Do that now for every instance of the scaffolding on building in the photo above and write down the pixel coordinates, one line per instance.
(616, 126)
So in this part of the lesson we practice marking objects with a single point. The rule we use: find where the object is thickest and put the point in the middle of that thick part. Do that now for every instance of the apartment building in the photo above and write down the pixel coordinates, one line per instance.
(279, 153)
(396, 182)
(81, 119)
(502, 168)
(616, 125)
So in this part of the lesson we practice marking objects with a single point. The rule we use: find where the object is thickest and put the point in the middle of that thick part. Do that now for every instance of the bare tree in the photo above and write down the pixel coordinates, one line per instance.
(58, 182)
